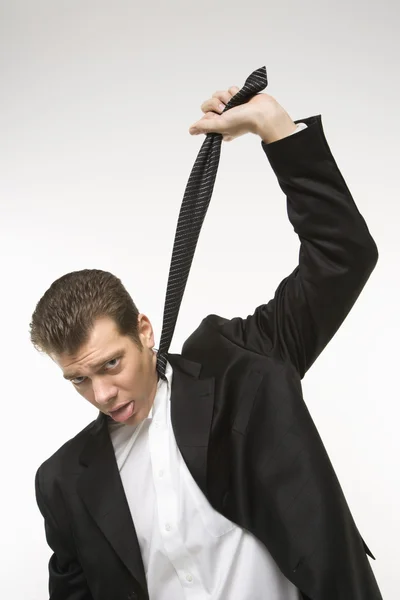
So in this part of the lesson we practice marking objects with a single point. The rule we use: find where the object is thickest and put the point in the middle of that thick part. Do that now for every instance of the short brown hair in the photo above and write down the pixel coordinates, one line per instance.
(66, 313)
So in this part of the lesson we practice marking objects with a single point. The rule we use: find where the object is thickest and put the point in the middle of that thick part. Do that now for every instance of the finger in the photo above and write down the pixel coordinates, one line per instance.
(233, 90)
(210, 115)
(219, 100)
(213, 104)
(224, 96)
(211, 122)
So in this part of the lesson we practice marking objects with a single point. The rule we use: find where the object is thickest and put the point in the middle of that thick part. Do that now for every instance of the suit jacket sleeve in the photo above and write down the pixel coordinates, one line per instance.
(66, 578)
(337, 254)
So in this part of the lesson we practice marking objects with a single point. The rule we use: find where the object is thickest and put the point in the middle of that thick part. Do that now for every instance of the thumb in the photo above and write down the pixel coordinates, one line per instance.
(210, 123)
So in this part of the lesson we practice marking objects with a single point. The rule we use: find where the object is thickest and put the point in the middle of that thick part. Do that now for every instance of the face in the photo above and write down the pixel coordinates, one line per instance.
(112, 373)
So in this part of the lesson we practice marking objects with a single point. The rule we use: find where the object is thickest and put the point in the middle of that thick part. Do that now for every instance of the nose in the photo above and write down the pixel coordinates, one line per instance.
(103, 392)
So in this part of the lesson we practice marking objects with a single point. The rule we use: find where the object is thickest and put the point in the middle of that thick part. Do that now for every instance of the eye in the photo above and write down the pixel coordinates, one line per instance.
(111, 364)
(108, 366)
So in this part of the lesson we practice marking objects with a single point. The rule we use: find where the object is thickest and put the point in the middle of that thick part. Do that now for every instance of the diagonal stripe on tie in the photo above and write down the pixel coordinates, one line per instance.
(194, 207)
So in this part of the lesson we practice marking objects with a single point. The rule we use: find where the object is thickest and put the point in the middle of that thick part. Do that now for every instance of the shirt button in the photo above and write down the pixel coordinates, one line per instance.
(168, 527)
(189, 578)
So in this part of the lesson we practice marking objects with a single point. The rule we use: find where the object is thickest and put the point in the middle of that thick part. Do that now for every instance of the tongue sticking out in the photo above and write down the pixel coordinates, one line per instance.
(123, 413)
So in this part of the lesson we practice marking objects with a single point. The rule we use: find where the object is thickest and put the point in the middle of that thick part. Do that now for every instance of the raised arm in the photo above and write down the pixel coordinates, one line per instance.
(337, 253)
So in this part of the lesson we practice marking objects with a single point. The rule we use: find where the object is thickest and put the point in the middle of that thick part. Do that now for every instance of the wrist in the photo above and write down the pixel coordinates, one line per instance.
(274, 129)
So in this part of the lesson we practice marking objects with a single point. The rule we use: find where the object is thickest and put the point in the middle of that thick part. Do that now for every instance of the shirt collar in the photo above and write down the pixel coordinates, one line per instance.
(163, 393)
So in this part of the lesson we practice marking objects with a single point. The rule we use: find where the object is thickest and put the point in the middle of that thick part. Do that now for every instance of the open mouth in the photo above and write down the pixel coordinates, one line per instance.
(122, 414)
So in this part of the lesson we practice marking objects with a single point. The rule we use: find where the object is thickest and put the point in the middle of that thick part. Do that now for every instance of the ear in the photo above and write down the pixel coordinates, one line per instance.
(145, 331)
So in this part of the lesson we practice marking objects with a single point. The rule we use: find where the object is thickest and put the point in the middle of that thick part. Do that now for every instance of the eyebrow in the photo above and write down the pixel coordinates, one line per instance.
(97, 365)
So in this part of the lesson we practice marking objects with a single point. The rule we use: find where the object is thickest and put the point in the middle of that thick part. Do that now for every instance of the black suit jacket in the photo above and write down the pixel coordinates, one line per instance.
(239, 418)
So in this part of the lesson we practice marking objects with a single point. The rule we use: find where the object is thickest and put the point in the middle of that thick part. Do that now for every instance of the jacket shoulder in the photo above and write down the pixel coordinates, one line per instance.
(66, 455)
(215, 332)
(206, 335)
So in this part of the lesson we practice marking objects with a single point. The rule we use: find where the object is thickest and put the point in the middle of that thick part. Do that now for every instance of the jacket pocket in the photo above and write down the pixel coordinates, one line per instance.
(246, 401)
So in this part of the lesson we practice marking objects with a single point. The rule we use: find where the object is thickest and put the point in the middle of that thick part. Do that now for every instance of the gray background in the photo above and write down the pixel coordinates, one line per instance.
(95, 104)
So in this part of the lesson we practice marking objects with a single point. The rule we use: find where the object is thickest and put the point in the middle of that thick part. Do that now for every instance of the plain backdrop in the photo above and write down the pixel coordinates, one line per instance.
(96, 100)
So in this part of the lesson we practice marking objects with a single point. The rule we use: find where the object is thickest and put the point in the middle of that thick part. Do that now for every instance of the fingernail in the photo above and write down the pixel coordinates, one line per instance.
(221, 107)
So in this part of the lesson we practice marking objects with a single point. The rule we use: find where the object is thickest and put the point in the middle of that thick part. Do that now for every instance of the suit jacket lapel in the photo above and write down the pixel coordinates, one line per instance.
(192, 403)
(101, 489)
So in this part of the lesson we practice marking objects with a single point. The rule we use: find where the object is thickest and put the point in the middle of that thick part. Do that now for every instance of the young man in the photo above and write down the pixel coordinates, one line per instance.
(213, 483)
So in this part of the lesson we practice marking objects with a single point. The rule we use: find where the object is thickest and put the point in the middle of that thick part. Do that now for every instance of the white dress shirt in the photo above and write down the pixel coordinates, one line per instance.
(189, 550)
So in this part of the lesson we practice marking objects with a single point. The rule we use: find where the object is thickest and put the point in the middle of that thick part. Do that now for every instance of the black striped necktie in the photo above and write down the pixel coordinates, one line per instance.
(193, 211)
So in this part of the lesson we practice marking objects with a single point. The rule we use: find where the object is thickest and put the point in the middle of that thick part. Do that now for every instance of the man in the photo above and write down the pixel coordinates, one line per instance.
(214, 483)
